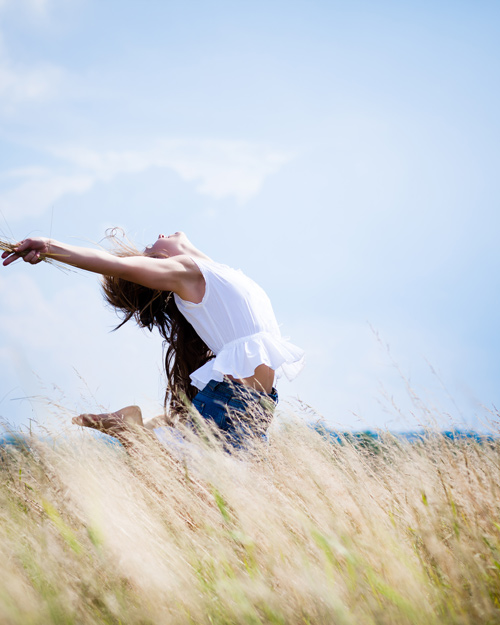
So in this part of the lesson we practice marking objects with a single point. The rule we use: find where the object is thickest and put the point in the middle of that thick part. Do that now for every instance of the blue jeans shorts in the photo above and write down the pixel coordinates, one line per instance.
(238, 410)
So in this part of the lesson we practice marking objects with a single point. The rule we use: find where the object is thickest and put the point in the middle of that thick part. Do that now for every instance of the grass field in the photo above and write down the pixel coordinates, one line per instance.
(302, 530)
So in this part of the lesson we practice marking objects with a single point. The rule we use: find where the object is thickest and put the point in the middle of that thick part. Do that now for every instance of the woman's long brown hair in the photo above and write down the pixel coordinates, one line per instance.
(184, 350)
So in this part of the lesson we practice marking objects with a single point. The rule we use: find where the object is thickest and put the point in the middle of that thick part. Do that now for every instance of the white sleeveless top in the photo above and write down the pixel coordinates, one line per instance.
(237, 322)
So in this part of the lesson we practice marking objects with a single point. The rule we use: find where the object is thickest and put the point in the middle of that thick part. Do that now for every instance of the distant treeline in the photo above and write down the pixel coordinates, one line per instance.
(368, 439)
(371, 440)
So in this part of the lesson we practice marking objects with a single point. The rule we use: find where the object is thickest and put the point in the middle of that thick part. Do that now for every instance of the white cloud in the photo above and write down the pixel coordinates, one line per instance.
(39, 191)
(21, 83)
(38, 5)
(218, 169)
(33, 6)
(27, 84)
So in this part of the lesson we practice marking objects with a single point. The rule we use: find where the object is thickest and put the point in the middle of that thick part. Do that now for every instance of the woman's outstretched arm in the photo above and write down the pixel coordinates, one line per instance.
(164, 274)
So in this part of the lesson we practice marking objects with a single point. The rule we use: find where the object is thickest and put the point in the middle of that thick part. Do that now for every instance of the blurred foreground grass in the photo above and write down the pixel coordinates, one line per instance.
(302, 530)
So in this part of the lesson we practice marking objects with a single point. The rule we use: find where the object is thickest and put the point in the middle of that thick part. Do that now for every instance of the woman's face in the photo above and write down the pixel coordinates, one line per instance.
(166, 246)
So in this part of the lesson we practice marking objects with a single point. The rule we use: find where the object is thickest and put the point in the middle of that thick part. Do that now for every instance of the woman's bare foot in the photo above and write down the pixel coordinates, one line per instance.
(117, 424)
(157, 422)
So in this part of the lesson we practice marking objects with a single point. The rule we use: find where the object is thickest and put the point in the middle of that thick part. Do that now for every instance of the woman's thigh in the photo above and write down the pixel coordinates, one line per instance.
(212, 408)
(235, 410)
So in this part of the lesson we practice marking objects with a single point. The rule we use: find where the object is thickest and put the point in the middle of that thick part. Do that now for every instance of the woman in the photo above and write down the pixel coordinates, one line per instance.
(224, 344)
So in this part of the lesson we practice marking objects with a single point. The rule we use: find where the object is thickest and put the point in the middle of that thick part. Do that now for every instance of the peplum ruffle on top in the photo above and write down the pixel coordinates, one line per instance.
(237, 322)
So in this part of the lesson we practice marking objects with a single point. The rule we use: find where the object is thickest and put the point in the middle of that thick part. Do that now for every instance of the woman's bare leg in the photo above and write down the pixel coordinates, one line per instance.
(119, 424)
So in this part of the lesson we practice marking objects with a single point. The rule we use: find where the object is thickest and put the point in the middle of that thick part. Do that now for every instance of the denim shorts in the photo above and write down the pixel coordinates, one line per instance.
(238, 410)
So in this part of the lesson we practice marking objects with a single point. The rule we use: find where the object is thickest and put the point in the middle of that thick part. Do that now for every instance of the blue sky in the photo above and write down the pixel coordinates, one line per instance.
(343, 154)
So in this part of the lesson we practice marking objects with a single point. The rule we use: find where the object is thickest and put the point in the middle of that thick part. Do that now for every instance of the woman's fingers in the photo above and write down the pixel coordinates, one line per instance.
(32, 257)
(10, 258)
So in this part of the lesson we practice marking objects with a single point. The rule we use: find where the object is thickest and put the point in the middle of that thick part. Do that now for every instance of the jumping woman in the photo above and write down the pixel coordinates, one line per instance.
(224, 346)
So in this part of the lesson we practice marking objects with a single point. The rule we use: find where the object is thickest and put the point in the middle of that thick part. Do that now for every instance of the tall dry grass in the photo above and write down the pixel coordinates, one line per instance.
(298, 531)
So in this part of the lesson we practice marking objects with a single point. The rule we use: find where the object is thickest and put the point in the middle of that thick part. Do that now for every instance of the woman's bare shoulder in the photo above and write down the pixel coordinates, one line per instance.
(191, 286)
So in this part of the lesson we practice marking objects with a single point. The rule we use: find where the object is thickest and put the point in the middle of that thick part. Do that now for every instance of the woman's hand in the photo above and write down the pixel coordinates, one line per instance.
(30, 250)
